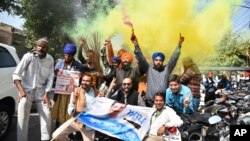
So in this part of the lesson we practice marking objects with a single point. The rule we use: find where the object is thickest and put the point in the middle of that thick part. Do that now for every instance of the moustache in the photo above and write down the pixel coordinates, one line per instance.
(39, 53)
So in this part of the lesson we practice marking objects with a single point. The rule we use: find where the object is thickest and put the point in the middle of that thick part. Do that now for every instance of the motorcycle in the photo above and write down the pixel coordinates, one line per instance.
(192, 126)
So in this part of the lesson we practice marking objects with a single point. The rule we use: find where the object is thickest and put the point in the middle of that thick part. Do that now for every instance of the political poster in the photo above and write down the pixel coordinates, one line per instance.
(126, 122)
(66, 81)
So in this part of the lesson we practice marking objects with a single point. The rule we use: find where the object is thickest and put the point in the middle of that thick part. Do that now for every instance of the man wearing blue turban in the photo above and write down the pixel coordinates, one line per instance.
(157, 74)
(69, 49)
(158, 54)
(59, 110)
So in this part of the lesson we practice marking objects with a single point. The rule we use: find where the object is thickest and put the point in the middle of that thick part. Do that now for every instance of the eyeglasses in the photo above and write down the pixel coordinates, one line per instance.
(126, 84)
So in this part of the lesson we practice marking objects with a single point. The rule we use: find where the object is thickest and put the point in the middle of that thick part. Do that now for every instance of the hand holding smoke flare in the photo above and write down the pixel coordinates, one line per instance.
(181, 40)
(133, 37)
(128, 23)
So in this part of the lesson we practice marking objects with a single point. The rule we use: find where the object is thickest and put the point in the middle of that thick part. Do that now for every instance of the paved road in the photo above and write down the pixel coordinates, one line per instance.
(34, 127)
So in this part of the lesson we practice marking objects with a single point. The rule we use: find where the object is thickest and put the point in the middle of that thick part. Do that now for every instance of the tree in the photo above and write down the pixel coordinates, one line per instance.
(232, 51)
(8, 5)
(49, 17)
(46, 18)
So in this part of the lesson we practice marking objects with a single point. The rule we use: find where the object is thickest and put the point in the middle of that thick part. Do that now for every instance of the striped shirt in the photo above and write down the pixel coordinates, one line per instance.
(192, 78)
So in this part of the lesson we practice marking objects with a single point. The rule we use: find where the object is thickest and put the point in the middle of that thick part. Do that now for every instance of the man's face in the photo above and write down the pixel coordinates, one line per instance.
(174, 86)
(115, 109)
(158, 62)
(126, 64)
(210, 75)
(72, 81)
(89, 57)
(159, 102)
(86, 82)
(114, 64)
(127, 85)
(68, 58)
(41, 48)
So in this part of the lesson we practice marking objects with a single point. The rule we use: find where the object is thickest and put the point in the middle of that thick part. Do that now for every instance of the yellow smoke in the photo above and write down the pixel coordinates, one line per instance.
(158, 23)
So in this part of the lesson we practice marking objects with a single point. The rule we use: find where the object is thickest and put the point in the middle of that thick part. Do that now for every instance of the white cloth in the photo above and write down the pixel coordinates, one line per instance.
(35, 72)
(168, 118)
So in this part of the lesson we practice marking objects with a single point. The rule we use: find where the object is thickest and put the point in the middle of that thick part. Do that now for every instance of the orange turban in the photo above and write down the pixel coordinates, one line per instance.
(127, 56)
(120, 52)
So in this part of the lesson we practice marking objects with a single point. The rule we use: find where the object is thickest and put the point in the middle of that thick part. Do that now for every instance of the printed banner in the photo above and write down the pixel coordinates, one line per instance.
(126, 122)
(66, 81)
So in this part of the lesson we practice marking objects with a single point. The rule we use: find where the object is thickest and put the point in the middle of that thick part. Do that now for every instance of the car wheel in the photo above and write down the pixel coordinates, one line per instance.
(5, 120)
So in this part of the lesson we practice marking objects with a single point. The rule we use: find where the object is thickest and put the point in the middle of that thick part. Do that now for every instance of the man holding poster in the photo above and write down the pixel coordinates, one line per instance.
(68, 72)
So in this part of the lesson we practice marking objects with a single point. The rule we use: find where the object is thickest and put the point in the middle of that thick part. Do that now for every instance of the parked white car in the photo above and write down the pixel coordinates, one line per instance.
(8, 91)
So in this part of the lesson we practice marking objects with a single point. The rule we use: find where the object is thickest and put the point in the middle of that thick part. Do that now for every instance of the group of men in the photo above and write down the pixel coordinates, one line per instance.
(168, 93)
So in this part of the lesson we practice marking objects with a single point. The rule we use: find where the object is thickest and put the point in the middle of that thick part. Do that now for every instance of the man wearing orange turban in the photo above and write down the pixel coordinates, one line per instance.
(127, 60)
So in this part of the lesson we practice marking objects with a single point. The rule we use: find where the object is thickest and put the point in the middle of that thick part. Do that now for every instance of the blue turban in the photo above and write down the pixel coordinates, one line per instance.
(70, 49)
(116, 59)
(158, 54)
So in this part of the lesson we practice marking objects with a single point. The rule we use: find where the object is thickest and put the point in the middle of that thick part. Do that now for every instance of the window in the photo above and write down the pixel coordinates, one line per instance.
(6, 60)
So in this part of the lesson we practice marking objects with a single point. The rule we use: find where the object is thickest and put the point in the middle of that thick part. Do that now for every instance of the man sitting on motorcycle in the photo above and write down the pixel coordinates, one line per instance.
(164, 119)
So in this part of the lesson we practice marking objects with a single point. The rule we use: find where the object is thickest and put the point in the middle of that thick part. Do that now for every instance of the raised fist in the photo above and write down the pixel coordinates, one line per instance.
(133, 38)
(181, 40)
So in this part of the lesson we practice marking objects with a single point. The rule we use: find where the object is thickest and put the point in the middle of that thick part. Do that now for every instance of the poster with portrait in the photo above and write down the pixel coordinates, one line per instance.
(125, 122)
(66, 81)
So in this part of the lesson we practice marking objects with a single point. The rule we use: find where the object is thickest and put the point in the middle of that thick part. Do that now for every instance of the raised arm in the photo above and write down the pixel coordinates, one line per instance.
(142, 62)
(104, 58)
(174, 58)
(79, 54)
(110, 51)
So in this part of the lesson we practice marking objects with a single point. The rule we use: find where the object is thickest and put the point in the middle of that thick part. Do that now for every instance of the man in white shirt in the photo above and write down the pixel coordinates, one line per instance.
(33, 78)
(163, 119)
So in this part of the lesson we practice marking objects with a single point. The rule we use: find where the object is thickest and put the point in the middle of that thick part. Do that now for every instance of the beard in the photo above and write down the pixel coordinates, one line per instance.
(158, 67)
(40, 54)
(126, 65)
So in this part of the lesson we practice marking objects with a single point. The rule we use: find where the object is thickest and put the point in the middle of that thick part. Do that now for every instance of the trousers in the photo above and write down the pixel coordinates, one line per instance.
(23, 116)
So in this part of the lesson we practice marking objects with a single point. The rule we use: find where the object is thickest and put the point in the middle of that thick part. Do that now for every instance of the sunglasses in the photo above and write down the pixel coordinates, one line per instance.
(126, 84)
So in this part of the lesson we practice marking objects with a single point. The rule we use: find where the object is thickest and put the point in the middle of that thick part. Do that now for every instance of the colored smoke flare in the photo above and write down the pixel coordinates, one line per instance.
(129, 24)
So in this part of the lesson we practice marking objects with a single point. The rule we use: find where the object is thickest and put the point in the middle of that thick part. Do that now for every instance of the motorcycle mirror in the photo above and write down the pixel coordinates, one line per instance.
(214, 119)
(247, 98)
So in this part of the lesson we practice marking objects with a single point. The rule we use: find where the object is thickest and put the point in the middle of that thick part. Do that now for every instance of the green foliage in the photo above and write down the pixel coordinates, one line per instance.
(9, 6)
(46, 18)
(92, 8)
(49, 17)
(232, 51)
